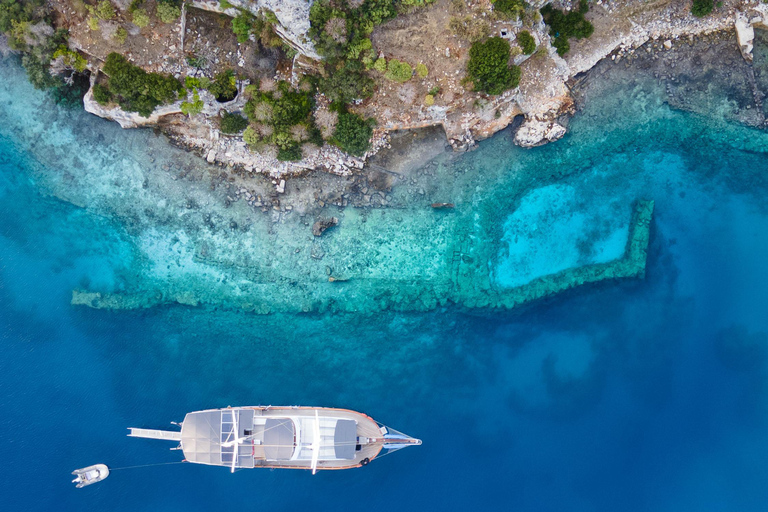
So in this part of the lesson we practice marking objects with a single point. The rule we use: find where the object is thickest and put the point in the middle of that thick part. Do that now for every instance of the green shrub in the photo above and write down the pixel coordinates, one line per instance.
(488, 68)
(251, 137)
(140, 18)
(563, 26)
(103, 10)
(429, 100)
(526, 41)
(290, 153)
(398, 71)
(101, 94)
(701, 8)
(225, 5)
(346, 82)
(120, 35)
(224, 86)
(93, 23)
(434, 91)
(71, 58)
(510, 9)
(196, 62)
(194, 107)
(167, 12)
(242, 26)
(232, 123)
(380, 65)
(358, 47)
(422, 70)
(353, 133)
(135, 89)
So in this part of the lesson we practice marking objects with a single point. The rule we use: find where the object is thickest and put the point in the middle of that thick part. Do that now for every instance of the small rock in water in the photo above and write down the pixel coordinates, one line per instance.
(211, 156)
(319, 227)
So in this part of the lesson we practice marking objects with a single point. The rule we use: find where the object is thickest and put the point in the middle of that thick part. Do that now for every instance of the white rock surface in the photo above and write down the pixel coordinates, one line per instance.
(745, 35)
(292, 15)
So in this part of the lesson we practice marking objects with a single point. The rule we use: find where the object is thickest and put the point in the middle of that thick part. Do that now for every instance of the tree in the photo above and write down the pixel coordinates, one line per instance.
(701, 8)
(346, 82)
(563, 26)
(488, 66)
(353, 133)
(232, 123)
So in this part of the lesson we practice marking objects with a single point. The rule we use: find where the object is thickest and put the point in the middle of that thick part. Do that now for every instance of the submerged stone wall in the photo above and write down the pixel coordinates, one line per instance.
(466, 284)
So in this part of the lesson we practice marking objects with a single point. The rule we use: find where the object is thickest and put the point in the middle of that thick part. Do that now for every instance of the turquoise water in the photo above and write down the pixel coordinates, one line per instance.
(632, 395)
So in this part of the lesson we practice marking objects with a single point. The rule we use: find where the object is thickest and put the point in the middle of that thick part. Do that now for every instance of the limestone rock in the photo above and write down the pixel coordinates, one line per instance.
(745, 35)
(292, 17)
(535, 132)
(319, 227)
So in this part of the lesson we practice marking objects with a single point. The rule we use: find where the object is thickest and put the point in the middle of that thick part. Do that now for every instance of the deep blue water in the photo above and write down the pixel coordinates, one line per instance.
(637, 395)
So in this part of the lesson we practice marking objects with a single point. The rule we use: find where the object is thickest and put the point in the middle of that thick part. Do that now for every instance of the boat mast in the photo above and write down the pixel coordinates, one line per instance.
(315, 443)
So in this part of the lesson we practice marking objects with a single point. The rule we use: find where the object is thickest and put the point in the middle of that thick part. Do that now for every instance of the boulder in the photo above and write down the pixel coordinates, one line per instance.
(319, 227)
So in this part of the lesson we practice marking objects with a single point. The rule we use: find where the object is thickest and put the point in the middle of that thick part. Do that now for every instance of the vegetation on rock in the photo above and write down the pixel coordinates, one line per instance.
(136, 90)
(526, 41)
(488, 66)
(422, 70)
(70, 58)
(563, 26)
(510, 9)
(283, 118)
(193, 107)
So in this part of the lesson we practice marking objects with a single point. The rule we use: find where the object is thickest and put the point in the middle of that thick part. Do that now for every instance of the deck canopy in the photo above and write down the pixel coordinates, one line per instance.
(345, 439)
(207, 437)
(279, 438)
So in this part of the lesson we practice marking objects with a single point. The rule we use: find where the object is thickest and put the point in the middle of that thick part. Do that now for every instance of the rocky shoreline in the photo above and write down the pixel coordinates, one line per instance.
(543, 99)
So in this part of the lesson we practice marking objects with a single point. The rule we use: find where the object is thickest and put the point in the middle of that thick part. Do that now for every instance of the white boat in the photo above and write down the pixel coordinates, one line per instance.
(90, 475)
(314, 438)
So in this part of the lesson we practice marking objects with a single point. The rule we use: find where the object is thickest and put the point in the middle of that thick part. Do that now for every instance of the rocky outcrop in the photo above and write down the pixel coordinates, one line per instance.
(292, 17)
(128, 119)
(745, 35)
(535, 132)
